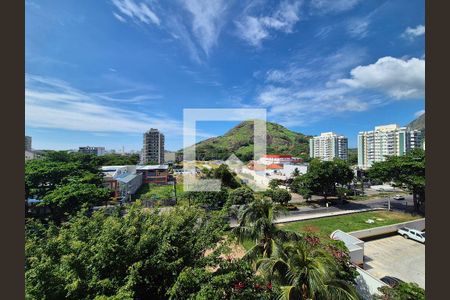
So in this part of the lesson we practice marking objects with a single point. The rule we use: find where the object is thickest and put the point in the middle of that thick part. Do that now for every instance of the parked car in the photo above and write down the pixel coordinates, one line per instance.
(399, 197)
(391, 281)
(413, 234)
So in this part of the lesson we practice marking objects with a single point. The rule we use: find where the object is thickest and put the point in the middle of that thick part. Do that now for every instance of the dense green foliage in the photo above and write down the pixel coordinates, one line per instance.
(308, 270)
(118, 160)
(353, 156)
(209, 199)
(407, 171)
(403, 291)
(69, 198)
(233, 279)
(240, 196)
(137, 256)
(323, 178)
(239, 140)
(281, 196)
(256, 223)
(274, 183)
(227, 178)
(65, 182)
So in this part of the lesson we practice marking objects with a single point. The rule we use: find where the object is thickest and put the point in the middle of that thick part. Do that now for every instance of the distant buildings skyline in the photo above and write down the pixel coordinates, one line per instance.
(386, 140)
(92, 150)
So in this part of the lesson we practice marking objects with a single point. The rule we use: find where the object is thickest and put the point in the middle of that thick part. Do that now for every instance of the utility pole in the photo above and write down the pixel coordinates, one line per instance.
(389, 202)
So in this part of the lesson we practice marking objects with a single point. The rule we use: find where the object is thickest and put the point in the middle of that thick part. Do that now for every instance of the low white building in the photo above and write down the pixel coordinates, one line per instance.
(29, 155)
(263, 174)
(269, 159)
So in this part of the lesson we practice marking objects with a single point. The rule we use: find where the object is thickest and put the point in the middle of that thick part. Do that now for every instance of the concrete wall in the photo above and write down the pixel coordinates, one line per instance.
(366, 233)
(367, 285)
(356, 254)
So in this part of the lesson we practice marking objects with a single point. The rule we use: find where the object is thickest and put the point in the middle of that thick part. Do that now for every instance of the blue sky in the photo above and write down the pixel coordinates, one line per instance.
(102, 72)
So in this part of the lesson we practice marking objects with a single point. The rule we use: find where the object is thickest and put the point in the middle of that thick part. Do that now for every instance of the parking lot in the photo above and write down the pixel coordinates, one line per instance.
(396, 256)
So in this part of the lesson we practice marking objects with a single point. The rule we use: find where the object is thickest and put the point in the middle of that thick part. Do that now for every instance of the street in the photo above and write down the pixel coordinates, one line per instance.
(406, 205)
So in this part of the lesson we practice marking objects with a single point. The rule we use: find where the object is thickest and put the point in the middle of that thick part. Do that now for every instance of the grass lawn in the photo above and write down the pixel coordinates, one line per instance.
(325, 226)
(160, 191)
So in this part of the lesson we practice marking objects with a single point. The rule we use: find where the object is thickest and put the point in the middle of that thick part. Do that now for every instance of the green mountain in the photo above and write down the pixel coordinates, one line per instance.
(418, 123)
(239, 140)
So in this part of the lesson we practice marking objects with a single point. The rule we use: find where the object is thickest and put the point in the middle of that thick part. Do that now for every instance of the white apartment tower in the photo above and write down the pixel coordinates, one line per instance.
(386, 140)
(153, 148)
(328, 145)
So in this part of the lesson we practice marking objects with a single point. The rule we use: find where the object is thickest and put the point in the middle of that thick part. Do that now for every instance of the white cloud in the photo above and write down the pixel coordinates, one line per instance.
(396, 77)
(119, 17)
(139, 12)
(333, 6)
(284, 18)
(318, 65)
(294, 106)
(179, 32)
(358, 28)
(412, 33)
(419, 113)
(254, 30)
(52, 103)
(207, 20)
(292, 75)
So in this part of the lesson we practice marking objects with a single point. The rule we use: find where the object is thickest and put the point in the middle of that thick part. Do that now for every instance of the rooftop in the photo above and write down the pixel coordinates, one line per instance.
(125, 178)
(154, 167)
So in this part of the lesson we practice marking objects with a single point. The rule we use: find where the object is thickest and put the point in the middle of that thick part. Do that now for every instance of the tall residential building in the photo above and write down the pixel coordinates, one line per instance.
(328, 145)
(27, 143)
(153, 148)
(92, 150)
(386, 140)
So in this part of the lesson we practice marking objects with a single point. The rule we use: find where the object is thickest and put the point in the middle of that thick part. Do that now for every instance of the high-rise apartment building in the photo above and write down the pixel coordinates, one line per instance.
(153, 147)
(386, 140)
(27, 143)
(328, 145)
(92, 150)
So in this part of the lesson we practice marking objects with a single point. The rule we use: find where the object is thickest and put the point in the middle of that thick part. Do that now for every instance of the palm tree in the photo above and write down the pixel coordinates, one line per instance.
(256, 222)
(306, 271)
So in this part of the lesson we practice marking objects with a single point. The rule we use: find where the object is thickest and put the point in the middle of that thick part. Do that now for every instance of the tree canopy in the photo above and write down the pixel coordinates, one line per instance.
(69, 198)
(223, 173)
(65, 182)
(322, 178)
(136, 256)
(281, 196)
(406, 171)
